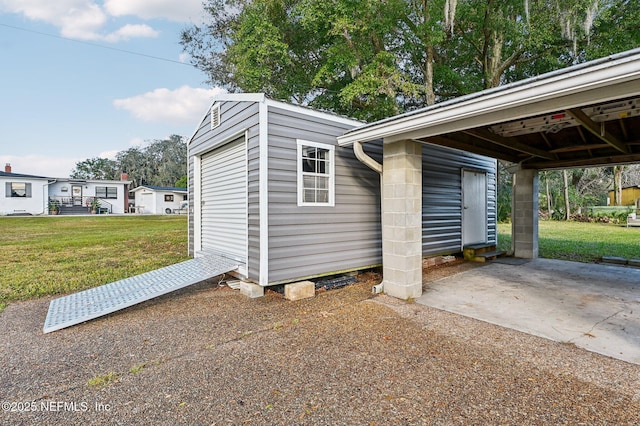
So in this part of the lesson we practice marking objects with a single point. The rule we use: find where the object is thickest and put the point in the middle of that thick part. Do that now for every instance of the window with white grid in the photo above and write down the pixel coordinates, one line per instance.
(315, 174)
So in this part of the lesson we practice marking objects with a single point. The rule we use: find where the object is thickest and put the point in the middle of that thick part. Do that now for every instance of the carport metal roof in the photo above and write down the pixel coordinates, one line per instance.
(584, 115)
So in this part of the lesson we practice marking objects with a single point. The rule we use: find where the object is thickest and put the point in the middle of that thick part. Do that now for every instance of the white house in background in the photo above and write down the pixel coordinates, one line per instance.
(22, 194)
(33, 195)
(80, 195)
(159, 199)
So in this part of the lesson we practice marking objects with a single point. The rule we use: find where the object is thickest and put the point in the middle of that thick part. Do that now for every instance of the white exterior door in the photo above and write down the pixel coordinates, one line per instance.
(223, 201)
(474, 207)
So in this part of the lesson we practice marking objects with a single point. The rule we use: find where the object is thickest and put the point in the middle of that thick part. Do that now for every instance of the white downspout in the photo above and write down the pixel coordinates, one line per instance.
(365, 159)
(374, 165)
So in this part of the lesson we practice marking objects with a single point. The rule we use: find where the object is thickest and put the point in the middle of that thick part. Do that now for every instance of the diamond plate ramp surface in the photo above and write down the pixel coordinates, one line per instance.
(96, 302)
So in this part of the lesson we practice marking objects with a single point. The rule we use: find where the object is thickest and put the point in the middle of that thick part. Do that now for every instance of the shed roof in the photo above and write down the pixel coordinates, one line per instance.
(20, 175)
(160, 188)
(262, 98)
(584, 115)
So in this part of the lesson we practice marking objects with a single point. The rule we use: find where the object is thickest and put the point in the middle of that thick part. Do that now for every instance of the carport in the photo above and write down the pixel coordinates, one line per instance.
(582, 116)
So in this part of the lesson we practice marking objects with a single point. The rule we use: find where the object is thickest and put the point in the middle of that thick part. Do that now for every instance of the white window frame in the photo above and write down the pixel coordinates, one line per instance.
(331, 175)
(215, 116)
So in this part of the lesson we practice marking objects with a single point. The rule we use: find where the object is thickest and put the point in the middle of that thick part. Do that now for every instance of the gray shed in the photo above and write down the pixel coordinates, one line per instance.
(270, 188)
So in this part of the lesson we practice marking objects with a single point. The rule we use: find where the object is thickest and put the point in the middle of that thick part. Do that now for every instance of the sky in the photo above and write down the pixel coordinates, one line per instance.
(68, 92)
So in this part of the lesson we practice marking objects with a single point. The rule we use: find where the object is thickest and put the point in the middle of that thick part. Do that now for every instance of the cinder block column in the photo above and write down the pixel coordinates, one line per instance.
(524, 214)
(402, 219)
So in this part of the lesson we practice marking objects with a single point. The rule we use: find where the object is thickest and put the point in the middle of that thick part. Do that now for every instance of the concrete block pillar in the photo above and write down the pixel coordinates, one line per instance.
(524, 214)
(402, 219)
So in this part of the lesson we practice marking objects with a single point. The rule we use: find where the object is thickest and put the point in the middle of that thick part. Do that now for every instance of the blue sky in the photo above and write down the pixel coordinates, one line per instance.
(63, 100)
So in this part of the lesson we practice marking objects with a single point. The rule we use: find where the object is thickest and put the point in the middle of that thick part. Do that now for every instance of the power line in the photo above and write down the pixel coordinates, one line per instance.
(88, 43)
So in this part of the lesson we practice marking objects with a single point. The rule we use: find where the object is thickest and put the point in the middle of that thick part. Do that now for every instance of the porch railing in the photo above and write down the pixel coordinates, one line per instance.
(90, 203)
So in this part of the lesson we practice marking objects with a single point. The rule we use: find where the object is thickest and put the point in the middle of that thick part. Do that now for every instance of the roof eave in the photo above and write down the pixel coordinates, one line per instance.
(599, 81)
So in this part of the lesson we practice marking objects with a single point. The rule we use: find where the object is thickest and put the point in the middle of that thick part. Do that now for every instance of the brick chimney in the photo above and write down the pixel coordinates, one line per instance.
(7, 168)
(124, 176)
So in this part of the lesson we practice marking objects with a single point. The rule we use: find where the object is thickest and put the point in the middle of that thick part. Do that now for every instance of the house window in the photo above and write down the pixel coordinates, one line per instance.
(315, 174)
(18, 190)
(106, 192)
(168, 198)
(215, 116)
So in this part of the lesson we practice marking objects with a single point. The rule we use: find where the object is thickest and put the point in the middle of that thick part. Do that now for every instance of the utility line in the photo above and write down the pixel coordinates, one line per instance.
(95, 44)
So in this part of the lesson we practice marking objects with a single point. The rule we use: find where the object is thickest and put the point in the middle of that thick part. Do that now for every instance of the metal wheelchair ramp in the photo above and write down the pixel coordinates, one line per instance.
(99, 301)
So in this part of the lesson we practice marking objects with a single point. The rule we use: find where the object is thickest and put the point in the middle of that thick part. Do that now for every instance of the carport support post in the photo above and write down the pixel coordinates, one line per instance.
(402, 219)
(524, 214)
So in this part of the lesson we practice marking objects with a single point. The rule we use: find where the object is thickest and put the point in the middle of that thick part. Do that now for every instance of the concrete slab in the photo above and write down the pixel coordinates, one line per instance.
(594, 306)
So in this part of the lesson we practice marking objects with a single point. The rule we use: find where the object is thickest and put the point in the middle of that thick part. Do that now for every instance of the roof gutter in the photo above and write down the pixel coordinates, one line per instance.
(364, 158)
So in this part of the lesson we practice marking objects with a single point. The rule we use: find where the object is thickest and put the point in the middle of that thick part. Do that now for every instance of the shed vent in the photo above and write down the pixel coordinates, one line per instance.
(215, 116)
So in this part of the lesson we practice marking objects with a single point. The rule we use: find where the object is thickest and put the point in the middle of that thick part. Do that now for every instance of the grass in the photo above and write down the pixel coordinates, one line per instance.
(579, 241)
(42, 256)
(103, 380)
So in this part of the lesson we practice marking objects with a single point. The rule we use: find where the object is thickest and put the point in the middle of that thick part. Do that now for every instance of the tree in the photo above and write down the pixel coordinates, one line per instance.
(182, 182)
(617, 185)
(371, 59)
(95, 168)
(160, 163)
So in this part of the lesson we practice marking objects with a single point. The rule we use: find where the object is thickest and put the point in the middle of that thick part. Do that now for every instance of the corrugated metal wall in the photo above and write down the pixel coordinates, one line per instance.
(442, 197)
(310, 240)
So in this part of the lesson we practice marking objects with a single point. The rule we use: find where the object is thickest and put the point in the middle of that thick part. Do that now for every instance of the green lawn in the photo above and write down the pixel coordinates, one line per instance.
(581, 242)
(42, 256)
(54, 255)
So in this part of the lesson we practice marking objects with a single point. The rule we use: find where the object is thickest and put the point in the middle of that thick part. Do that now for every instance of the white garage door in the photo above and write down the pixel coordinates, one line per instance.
(224, 201)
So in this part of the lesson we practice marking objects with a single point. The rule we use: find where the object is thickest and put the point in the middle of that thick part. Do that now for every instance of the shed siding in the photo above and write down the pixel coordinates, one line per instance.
(235, 117)
(306, 241)
(442, 198)
(312, 240)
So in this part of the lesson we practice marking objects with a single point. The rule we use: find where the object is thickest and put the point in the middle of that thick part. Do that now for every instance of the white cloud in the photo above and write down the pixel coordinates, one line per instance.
(137, 142)
(172, 10)
(183, 105)
(109, 155)
(131, 31)
(78, 19)
(40, 165)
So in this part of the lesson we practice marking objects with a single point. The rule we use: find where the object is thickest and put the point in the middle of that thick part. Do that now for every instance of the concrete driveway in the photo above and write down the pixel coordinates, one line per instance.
(596, 307)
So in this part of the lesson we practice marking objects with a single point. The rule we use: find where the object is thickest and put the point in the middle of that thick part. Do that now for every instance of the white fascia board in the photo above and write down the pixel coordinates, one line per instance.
(263, 192)
(315, 113)
(238, 97)
(600, 82)
(139, 188)
(111, 182)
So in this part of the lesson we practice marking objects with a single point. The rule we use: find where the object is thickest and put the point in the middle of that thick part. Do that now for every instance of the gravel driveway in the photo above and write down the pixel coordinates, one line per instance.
(207, 355)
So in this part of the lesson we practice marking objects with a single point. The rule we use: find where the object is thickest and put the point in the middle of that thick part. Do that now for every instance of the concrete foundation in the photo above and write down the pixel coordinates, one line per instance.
(251, 290)
(524, 214)
(299, 290)
(402, 219)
